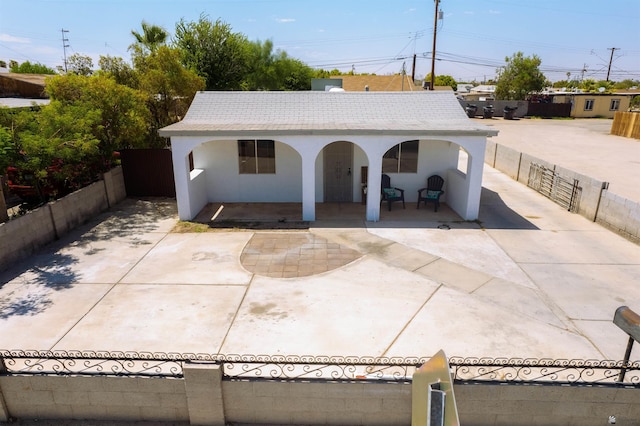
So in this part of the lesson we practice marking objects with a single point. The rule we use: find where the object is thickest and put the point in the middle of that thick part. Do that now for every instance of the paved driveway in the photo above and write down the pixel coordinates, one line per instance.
(528, 280)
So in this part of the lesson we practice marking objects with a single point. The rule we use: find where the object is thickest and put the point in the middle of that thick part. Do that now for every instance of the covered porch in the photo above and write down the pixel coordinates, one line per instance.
(294, 135)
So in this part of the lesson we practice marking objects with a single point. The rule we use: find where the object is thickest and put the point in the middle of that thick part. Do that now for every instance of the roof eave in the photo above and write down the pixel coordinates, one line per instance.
(308, 132)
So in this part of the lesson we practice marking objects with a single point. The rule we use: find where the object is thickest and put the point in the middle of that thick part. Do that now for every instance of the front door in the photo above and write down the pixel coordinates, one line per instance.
(338, 175)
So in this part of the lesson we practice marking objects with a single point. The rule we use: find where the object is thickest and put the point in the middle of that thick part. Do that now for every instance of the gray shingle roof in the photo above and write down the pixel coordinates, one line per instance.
(231, 113)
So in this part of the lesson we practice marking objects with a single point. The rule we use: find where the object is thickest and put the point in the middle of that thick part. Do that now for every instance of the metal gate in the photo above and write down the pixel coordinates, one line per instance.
(563, 191)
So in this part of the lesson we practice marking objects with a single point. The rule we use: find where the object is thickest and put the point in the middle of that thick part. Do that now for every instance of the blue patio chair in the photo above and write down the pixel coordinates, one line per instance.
(389, 193)
(432, 192)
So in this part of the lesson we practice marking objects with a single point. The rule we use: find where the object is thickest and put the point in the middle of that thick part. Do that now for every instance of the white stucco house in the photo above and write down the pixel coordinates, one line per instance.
(316, 147)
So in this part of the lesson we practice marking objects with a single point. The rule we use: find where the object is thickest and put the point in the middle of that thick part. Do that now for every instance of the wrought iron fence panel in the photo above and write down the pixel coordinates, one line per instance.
(575, 371)
(290, 367)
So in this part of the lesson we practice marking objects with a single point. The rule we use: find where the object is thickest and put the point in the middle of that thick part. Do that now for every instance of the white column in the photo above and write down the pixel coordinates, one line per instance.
(474, 178)
(373, 188)
(181, 177)
(308, 186)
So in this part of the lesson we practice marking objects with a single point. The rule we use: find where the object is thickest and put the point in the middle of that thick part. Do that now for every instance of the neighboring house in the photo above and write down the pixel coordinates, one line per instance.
(479, 93)
(589, 105)
(312, 147)
(22, 85)
(379, 83)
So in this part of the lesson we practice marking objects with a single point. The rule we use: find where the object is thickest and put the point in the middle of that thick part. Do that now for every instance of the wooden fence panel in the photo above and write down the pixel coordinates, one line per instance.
(626, 124)
(148, 172)
(549, 110)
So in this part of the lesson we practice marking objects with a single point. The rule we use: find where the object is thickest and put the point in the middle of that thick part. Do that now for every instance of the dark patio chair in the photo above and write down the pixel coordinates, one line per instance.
(432, 192)
(389, 193)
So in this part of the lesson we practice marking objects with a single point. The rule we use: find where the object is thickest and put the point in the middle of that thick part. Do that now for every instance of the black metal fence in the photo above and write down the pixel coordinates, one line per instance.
(480, 370)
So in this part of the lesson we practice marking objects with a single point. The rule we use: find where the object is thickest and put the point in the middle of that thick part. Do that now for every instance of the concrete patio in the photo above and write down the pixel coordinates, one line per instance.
(527, 280)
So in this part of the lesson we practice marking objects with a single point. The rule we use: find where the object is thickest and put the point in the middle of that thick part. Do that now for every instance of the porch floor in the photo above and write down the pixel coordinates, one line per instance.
(289, 215)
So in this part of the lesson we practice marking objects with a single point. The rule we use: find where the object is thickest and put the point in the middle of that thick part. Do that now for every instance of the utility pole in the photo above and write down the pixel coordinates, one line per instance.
(612, 49)
(413, 69)
(433, 51)
(64, 48)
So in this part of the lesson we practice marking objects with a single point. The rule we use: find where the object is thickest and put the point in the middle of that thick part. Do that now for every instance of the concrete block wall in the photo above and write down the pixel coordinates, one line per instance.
(317, 402)
(26, 234)
(74, 209)
(620, 215)
(507, 160)
(611, 211)
(108, 398)
(45, 224)
(203, 397)
(114, 186)
(546, 405)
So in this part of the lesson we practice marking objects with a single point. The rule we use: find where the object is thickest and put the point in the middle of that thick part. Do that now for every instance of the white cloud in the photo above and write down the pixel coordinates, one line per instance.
(468, 12)
(285, 20)
(494, 12)
(11, 39)
(413, 9)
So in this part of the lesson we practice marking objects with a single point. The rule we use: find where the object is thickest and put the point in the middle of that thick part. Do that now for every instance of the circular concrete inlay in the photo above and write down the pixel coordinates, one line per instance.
(293, 254)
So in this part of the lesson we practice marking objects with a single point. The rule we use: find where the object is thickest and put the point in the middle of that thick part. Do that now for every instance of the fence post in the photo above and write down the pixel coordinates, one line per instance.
(203, 383)
(4, 411)
(629, 322)
(605, 186)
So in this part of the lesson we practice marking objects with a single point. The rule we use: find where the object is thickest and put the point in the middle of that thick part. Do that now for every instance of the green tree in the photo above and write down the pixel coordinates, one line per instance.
(519, 77)
(443, 80)
(152, 37)
(29, 68)
(118, 69)
(120, 117)
(80, 64)
(214, 52)
(275, 70)
(626, 84)
(168, 87)
(570, 84)
(592, 86)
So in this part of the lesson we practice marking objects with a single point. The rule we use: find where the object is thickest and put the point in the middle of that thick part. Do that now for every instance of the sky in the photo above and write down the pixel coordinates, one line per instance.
(473, 38)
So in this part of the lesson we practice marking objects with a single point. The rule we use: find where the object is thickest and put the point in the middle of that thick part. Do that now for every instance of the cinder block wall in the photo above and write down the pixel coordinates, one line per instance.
(610, 210)
(74, 209)
(620, 215)
(512, 405)
(43, 225)
(203, 397)
(22, 236)
(312, 402)
(114, 186)
(101, 397)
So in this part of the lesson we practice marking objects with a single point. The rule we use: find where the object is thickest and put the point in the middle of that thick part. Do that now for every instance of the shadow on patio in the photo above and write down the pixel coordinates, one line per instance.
(353, 215)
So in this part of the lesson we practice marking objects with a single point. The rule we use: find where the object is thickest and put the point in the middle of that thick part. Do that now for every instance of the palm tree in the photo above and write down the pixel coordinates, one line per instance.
(152, 36)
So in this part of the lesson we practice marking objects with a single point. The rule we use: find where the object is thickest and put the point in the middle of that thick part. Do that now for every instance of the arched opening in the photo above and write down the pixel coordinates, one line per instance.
(338, 172)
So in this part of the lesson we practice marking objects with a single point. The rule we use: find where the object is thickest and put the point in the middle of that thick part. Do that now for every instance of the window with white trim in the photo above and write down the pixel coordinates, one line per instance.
(402, 158)
(588, 104)
(615, 105)
(256, 156)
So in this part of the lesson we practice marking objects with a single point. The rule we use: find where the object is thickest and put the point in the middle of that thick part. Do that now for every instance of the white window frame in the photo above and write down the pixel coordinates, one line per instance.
(588, 104)
(614, 105)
